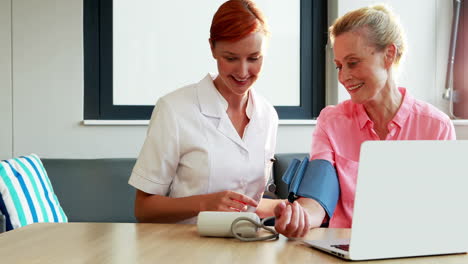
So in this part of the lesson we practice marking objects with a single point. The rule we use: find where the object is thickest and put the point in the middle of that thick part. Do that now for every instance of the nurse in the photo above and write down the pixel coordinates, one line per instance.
(210, 145)
(368, 45)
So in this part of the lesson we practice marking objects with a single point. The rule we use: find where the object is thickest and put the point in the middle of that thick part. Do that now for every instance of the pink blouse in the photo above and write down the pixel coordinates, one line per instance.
(342, 128)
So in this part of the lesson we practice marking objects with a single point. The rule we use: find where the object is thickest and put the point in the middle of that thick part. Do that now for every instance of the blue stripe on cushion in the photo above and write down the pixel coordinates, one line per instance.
(25, 191)
(38, 161)
(32, 179)
(62, 213)
(4, 211)
(14, 197)
(41, 166)
(51, 205)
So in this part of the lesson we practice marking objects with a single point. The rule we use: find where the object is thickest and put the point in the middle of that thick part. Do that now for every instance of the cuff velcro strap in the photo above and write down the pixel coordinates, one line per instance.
(316, 179)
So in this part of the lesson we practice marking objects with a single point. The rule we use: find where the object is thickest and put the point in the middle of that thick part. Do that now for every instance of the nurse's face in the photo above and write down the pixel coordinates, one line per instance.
(239, 63)
(362, 70)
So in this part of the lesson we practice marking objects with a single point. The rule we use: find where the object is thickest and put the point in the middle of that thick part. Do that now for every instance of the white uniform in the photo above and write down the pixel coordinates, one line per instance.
(192, 147)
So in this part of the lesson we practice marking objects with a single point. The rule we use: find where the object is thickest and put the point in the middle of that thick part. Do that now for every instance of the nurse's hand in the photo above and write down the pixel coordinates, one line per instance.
(292, 220)
(227, 201)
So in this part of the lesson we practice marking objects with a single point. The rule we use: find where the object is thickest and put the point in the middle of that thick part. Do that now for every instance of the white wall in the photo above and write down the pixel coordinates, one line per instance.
(5, 80)
(48, 86)
(48, 80)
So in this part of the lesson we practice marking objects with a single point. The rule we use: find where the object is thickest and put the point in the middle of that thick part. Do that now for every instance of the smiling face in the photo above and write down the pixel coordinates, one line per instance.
(239, 63)
(363, 70)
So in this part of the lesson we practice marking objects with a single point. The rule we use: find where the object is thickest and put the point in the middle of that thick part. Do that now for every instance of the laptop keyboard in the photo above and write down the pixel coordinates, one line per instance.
(342, 247)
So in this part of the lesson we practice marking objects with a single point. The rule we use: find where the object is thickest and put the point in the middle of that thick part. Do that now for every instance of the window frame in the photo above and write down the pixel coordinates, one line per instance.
(98, 55)
(460, 79)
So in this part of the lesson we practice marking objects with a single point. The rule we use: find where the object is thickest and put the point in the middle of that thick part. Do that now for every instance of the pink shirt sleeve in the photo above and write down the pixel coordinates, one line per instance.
(447, 131)
(321, 146)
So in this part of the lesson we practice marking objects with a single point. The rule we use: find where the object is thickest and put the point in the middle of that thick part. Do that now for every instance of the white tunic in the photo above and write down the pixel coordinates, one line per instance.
(192, 147)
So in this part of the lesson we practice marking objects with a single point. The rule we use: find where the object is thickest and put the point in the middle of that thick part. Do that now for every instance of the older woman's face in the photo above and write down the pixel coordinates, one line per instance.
(361, 68)
(239, 63)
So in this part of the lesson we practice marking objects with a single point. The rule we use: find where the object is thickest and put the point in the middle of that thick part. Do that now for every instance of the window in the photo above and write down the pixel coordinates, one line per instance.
(99, 93)
(460, 81)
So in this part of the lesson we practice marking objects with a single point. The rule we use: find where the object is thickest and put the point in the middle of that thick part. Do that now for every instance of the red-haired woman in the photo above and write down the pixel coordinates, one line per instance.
(210, 144)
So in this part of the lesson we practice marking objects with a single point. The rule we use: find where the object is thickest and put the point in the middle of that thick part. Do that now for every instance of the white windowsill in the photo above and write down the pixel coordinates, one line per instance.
(146, 122)
(458, 122)
(115, 122)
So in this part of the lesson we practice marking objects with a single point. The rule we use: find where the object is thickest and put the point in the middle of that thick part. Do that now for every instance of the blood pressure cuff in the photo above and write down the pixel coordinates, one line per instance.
(316, 179)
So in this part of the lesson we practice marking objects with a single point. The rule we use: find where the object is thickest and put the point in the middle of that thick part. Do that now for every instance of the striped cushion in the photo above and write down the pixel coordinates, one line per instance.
(26, 194)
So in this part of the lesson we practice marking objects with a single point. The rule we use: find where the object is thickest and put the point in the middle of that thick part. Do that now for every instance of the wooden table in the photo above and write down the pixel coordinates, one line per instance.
(163, 243)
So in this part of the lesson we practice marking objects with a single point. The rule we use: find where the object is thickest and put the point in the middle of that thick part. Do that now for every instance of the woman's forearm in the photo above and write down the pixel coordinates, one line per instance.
(162, 209)
(314, 209)
(266, 207)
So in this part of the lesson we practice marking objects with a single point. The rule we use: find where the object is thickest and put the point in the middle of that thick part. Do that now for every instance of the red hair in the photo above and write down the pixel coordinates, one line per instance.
(236, 19)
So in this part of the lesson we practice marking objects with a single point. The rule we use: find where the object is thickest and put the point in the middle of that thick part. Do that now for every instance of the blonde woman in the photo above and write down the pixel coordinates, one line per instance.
(368, 45)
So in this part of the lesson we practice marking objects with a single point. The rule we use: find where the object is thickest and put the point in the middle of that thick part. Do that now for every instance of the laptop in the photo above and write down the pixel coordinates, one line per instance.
(411, 200)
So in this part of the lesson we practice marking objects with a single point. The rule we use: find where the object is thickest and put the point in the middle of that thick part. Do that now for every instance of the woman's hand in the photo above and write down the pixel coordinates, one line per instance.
(227, 201)
(292, 220)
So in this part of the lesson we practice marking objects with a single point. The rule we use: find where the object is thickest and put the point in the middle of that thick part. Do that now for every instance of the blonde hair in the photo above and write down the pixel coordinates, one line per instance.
(380, 24)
